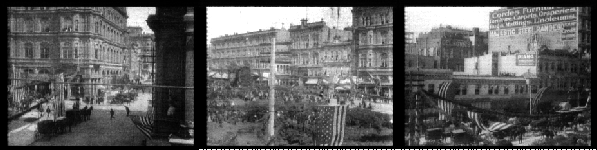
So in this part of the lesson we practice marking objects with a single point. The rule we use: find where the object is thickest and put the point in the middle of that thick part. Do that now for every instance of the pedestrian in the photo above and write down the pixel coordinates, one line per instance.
(127, 110)
(90, 109)
(111, 113)
(48, 110)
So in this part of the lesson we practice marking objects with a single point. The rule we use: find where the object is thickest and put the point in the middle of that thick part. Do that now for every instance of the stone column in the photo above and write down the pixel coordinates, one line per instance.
(189, 95)
(169, 28)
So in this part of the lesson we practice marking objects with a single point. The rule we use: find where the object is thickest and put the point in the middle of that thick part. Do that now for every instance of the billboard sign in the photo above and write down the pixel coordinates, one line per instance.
(530, 16)
(526, 59)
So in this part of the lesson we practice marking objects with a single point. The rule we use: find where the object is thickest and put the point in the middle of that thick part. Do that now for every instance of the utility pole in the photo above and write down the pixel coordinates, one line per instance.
(272, 115)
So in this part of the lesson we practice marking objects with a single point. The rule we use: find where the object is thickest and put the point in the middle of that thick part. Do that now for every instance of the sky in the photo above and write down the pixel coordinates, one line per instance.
(422, 19)
(228, 20)
(137, 17)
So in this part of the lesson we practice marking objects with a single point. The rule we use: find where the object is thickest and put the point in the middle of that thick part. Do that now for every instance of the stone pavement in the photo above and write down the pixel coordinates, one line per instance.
(99, 131)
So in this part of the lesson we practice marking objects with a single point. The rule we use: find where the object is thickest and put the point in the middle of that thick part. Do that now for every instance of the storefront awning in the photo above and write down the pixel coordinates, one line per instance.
(311, 81)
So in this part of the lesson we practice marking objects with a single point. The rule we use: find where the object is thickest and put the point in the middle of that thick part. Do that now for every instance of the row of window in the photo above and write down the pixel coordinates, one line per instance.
(561, 67)
(248, 52)
(67, 24)
(47, 71)
(382, 60)
(376, 19)
(327, 71)
(67, 50)
(304, 40)
(242, 43)
(376, 37)
(326, 56)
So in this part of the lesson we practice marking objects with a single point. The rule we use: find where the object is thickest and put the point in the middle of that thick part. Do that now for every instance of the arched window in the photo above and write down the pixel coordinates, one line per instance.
(44, 71)
(76, 51)
(67, 50)
(45, 24)
(45, 50)
(384, 60)
(29, 71)
(29, 50)
(29, 25)
(96, 52)
(67, 24)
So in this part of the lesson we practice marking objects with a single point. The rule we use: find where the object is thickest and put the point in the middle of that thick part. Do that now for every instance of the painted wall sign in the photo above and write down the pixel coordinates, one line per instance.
(526, 59)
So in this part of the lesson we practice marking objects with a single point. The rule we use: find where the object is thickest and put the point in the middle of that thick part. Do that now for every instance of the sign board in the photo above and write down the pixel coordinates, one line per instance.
(526, 59)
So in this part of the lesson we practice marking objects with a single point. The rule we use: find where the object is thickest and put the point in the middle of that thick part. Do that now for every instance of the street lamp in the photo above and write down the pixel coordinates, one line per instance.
(528, 81)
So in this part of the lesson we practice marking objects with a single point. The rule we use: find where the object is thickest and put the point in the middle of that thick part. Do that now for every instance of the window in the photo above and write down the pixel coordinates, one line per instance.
(490, 91)
(496, 89)
(45, 26)
(534, 88)
(384, 60)
(44, 71)
(29, 25)
(96, 52)
(464, 89)
(506, 91)
(363, 60)
(45, 50)
(477, 89)
(67, 24)
(66, 50)
(29, 50)
(431, 88)
(76, 51)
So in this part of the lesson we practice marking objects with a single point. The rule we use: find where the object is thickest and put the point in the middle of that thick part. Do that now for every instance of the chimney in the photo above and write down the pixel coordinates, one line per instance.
(475, 31)
(304, 22)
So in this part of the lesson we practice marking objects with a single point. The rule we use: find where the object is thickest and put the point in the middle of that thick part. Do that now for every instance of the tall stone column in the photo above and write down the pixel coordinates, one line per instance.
(190, 76)
(169, 29)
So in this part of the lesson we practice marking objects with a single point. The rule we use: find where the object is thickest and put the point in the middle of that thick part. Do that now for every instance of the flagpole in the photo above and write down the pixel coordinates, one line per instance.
(272, 92)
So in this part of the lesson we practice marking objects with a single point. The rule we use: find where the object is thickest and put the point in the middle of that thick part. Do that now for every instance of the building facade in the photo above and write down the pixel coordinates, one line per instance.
(145, 43)
(373, 48)
(318, 51)
(252, 50)
(43, 40)
(451, 45)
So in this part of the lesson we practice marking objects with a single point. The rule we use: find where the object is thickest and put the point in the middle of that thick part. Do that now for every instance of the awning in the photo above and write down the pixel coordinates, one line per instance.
(345, 87)
(345, 81)
(499, 126)
(311, 81)
(564, 106)
(144, 124)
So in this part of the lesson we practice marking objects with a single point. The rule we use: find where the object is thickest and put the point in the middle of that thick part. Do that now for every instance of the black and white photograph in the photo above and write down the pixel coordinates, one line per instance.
(100, 76)
(299, 76)
(497, 76)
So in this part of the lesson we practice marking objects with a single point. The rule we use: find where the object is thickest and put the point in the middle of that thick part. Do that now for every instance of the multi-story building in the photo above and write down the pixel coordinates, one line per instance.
(251, 49)
(43, 40)
(449, 46)
(318, 51)
(146, 44)
(373, 33)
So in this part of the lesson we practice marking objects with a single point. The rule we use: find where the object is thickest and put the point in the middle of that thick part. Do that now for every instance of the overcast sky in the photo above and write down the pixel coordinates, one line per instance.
(137, 17)
(228, 20)
(422, 19)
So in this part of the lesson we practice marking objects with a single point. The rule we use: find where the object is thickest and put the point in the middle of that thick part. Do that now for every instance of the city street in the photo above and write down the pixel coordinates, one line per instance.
(119, 131)
(99, 131)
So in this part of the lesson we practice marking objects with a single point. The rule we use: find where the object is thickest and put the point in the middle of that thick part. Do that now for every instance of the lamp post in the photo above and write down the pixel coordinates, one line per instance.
(528, 81)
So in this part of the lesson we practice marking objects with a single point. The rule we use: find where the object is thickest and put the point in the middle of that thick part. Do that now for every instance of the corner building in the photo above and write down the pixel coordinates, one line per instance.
(42, 39)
